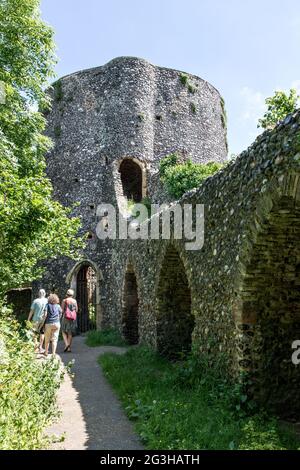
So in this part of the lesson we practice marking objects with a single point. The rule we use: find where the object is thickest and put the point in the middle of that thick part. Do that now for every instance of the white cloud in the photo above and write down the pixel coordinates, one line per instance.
(253, 105)
(296, 85)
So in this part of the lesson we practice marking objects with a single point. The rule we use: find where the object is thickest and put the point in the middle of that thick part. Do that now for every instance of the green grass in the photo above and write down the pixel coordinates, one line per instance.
(108, 337)
(183, 406)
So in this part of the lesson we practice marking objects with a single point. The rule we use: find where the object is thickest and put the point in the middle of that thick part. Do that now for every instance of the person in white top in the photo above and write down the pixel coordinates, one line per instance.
(37, 317)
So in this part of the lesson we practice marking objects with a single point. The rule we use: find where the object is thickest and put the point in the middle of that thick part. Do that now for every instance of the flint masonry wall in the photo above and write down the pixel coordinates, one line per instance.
(244, 283)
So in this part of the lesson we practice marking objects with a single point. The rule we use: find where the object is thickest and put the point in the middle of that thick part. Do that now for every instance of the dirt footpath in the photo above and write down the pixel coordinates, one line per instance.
(92, 417)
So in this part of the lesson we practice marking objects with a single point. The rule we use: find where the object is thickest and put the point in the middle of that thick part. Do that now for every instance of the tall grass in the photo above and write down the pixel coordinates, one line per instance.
(188, 406)
(108, 337)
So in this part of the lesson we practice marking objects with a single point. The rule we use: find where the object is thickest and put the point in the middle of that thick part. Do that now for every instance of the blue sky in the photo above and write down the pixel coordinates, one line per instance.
(245, 48)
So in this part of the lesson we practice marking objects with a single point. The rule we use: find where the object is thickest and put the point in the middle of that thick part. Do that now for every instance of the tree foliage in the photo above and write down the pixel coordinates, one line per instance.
(33, 226)
(278, 107)
(179, 178)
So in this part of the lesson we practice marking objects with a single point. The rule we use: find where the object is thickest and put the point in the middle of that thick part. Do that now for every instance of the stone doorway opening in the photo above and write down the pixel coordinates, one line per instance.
(132, 180)
(175, 321)
(130, 307)
(270, 311)
(86, 286)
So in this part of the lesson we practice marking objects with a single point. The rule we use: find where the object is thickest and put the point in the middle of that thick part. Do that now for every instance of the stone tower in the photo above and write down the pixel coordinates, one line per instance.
(111, 125)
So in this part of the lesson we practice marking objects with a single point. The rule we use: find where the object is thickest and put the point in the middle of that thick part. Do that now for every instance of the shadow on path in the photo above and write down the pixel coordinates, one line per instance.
(92, 417)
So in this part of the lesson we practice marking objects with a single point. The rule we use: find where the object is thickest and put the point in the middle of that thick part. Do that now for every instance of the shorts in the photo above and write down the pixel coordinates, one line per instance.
(52, 332)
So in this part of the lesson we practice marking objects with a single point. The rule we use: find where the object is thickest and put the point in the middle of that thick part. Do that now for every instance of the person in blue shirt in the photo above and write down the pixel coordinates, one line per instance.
(37, 316)
(52, 323)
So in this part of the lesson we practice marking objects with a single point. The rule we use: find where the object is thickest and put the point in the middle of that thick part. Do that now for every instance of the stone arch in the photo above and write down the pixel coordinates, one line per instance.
(80, 281)
(268, 310)
(175, 321)
(130, 306)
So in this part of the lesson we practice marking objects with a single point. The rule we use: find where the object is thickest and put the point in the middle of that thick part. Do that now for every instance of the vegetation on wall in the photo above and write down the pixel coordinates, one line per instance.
(180, 177)
(189, 405)
(193, 108)
(278, 107)
(28, 388)
(184, 79)
(58, 93)
(224, 121)
(32, 226)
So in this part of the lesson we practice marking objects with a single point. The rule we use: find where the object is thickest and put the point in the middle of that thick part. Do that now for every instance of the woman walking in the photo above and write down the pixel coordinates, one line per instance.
(52, 323)
(69, 323)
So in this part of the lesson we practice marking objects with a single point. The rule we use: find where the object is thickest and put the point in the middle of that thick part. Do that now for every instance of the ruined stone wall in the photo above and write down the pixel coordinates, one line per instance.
(239, 293)
(244, 283)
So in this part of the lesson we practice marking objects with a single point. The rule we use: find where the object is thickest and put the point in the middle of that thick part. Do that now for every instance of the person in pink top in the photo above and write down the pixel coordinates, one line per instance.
(69, 319)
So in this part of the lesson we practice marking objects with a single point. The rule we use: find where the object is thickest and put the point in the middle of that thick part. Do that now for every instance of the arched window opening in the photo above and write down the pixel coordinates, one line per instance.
(175, 322)
(132, 180)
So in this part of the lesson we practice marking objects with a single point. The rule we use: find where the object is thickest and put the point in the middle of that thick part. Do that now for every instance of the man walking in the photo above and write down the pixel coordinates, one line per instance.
(37, 317)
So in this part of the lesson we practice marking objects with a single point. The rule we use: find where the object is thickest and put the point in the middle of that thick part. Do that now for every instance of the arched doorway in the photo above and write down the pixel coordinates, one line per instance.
(270, 310)
(132, 179)
(86, 285)
(175, 322)
(130, 314)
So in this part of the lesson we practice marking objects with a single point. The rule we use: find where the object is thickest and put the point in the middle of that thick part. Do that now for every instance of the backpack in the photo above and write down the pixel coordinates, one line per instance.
(70, 310)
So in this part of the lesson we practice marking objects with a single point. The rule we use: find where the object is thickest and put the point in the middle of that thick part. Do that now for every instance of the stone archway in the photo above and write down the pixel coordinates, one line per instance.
(86, 284)
(130, 308)
(175, 322)
(270, 310)
(84, 279)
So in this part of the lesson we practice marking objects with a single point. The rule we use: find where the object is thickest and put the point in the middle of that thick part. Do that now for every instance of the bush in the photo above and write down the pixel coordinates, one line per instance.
(28, 388)
(166, 164)
(182, 177)
(108, 337)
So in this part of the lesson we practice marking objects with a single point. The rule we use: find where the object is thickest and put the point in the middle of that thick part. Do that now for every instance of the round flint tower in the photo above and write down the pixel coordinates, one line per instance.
(111, 126)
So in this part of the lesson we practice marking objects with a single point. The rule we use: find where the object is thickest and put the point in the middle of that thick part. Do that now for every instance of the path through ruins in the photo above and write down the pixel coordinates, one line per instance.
(92, 417)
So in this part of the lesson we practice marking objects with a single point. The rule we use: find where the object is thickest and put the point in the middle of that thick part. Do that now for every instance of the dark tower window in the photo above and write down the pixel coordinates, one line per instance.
(132, 180)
